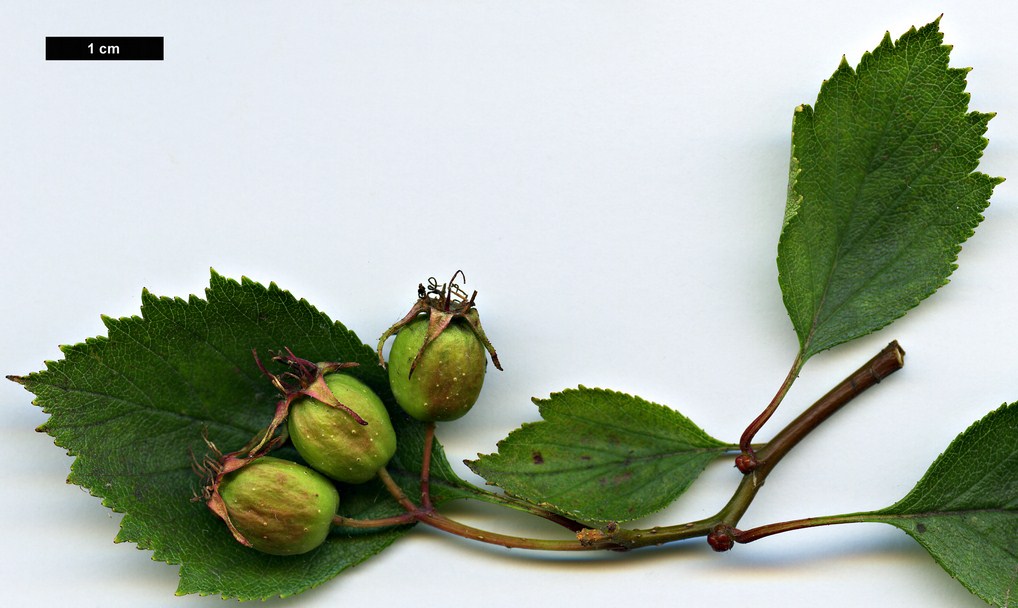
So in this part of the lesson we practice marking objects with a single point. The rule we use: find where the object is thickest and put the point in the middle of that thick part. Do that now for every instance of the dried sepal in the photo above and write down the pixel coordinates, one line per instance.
(303, 379)
(212, 468)
(442, 304)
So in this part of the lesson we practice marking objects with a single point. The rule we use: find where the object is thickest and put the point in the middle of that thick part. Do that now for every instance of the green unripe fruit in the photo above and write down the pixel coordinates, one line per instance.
(449, 374)
(439, 357)
(279, 506)
(333, 442)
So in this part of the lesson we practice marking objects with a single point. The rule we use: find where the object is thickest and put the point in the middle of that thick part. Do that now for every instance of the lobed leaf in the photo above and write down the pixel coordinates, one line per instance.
(132, 409)
(600, 456)
(882, 190)
(964, 511)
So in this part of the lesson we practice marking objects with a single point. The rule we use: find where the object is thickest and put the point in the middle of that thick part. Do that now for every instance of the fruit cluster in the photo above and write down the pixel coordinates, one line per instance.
(341, 428)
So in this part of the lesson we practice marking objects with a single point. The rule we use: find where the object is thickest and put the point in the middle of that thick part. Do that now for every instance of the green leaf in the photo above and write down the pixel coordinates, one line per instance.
(600, 456)
(882, 190)
(132, 409)
(964, 511)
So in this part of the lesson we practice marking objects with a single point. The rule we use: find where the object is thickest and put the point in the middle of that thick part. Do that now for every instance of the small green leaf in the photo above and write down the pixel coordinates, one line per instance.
(882, 190)
(964, 511)
(600, 456)
(132, 409)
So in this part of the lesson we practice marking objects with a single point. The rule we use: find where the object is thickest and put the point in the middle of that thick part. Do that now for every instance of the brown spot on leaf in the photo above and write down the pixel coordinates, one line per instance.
(616, 480)
(920, 528)
(537, 458)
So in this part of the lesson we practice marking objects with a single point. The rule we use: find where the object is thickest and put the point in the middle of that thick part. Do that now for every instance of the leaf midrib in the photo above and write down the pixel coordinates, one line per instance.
(839, 250)
(605, 464)
(902, 251)
(552, 417)
(884, 517)
(137, 407)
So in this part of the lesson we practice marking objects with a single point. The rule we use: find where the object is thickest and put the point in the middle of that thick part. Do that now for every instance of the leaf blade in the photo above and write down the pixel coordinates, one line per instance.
(131, 408)
(882, 190)
(600, 455)
(964, 511)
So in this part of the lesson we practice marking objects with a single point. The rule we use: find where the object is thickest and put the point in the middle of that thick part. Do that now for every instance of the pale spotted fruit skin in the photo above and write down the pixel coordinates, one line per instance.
(331, 441)
(448, 377)
(279, 506)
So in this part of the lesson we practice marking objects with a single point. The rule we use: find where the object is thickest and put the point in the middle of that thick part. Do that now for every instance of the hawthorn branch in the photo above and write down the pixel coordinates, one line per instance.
(719, 529)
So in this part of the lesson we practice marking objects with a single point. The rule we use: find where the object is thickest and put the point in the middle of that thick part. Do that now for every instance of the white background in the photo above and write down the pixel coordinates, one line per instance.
(610, 176)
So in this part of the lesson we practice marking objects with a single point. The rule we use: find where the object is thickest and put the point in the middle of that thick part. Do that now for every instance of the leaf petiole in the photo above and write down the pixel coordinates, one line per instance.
(747, 460)
(752, 534)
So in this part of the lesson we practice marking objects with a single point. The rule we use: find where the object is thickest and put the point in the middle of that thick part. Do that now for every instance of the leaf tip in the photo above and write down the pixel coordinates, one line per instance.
(18, 379)
(933, 26)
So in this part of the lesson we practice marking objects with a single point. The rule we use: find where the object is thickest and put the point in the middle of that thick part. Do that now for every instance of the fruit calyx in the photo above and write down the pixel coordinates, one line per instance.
(442, 304)
(304, 379)
(212, 468)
